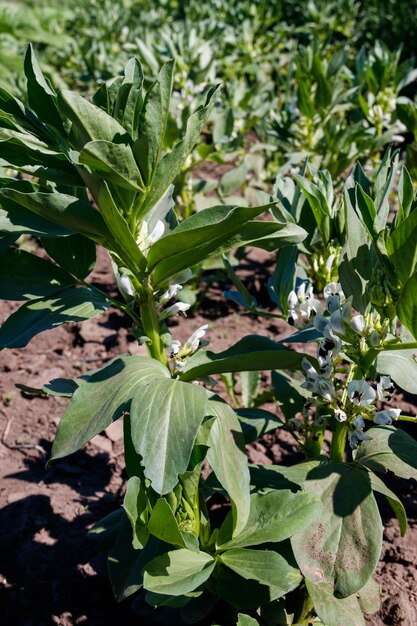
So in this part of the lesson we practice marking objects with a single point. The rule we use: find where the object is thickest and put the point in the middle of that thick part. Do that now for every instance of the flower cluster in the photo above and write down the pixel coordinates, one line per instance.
(152, 228)
(302, 305)
(344, 333)
(180, 353)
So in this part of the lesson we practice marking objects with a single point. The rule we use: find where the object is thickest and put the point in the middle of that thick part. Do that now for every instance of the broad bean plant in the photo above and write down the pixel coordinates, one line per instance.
(295, 545)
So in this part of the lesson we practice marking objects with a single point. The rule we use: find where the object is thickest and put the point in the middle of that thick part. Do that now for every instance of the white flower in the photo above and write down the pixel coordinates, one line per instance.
(193, 343)
(170, 293)
(326, 366)
(180, 364)
(357, 435)
(333, 294)
(329, 262)
(302, 305)
(310, 370)
(384, 388)
(174, 348)
(153, 226)
(332, 339)
(386, 416)
(124, 285)
(361, 393)
(333, 289)
(176, 309)
(310, 308)
(325, 389)
(340, 415)
(295, 319)
(292, 300)
(357, 324)
(333, 303)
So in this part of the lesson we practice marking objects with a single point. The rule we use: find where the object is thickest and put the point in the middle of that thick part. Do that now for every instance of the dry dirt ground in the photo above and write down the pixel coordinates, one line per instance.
(50, 572)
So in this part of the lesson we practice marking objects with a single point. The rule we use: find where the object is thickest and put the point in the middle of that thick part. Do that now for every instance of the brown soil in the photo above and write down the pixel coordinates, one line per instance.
(50, 572)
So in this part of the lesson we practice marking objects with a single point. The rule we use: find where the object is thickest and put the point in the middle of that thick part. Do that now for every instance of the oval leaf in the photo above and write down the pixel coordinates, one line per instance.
(71, 305)
(103, 398)
(252, 353)
(178, 572)
(342, 547)
(25, 276)
(227, 457)
(165, 417)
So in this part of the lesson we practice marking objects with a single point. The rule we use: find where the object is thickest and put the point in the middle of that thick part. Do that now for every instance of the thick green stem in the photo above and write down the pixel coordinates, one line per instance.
(338, 445)
(151, 328)
(314, 444)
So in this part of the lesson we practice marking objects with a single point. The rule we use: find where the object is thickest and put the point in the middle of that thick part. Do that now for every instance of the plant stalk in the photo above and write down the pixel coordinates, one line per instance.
(150, 325)
(337, 447)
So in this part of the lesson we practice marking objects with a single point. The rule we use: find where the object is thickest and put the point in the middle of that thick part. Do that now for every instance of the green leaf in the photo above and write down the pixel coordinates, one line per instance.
(129, 96)
(18, 221)
(265, 566)
(342, 547)
(164, 526)
(233, 179)
(153, 122)
(68, 212)
(106, 530)
(178, 572)
(89, 121)
(252, 353)
(282, 280)
(401, 365)
(357, 267)
(227, 457)
(407, 304)
(71, 305)
(402, 247)
(100, 400)
(170, 165)
(41, 96)
(215, 230)
(393, 500)
(75, 253)
(25, 276)
(318, 204)
(389, 449)
(257, 422)
(6, 241)
(370, 597)
(246, 620)
(367, 209)
(250, 385)
(273, 517)
(383, 184)
(126, 565)
(165, 417)
(288, 393)
(135, 504)
(123, 241)
(113, 162)
(334, 611)
(405, 196)
(266, 478)
(243, 594)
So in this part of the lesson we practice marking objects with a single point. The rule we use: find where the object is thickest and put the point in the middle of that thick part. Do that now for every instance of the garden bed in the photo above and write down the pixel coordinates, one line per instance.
(50, 572)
